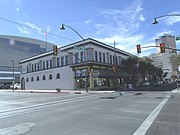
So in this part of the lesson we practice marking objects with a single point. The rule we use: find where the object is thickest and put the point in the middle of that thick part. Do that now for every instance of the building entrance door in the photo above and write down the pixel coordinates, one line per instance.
(22, 83)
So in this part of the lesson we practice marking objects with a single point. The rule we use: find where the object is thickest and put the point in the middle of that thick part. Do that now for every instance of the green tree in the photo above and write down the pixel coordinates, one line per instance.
(130, 65)
(139, 69)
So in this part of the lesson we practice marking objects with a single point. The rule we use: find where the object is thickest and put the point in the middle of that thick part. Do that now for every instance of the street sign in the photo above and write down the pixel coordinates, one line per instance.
(177, 38)
(78, 48)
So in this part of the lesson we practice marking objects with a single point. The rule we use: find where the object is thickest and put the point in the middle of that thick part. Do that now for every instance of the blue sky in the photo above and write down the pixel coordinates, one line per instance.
(127, 22)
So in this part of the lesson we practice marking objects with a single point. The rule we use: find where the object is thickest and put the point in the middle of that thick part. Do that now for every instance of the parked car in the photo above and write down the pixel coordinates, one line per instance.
(155, 84)
(16, 86)
(6, 86)
(145, 84)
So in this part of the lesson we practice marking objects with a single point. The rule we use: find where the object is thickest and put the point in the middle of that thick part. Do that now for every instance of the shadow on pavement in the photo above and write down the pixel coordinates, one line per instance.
(161, 87)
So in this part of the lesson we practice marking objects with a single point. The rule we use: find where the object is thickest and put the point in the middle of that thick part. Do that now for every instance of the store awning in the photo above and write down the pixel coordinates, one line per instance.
(110, 74)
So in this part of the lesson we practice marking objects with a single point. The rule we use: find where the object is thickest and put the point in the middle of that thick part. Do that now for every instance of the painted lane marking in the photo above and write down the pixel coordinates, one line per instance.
(17, 101)
(149, 120)
(64, 102)
(49, 103)
(17, 129)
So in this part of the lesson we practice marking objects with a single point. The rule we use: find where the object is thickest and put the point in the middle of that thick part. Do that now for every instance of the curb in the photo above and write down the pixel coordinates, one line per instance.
(61, 92)
(48, 92)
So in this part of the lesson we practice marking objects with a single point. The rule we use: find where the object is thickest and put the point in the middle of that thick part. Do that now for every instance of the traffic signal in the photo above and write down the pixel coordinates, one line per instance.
(162, 48)
(139, 48)
(55, 50)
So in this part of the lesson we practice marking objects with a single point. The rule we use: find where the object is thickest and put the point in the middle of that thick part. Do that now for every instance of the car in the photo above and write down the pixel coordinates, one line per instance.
(155, 84)
(7, 86)
(145, 84)
(16, 86)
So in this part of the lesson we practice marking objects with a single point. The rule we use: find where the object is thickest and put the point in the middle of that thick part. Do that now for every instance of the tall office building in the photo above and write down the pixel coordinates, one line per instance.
(162, 60)
(169, 42)
(157, 60)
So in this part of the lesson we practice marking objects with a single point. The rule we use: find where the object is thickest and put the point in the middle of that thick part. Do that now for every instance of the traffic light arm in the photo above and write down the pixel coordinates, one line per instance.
(159, 46)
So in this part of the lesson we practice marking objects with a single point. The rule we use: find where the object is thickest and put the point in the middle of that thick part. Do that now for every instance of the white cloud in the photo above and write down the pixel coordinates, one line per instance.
(33, 26)
(48, 28)
(23, 30)
(170, 20)
(124, 43)
(122, 26)
(158, 34)
(88, 21)
(141, 18)
(17, 9)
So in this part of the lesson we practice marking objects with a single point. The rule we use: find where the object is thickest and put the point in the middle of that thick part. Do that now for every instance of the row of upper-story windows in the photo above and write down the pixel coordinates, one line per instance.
(107, 58)
(37, 78)
(78, 58)
(55, 62)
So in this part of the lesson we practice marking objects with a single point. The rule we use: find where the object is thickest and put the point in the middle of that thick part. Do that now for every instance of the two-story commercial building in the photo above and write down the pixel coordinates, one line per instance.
(85, 64)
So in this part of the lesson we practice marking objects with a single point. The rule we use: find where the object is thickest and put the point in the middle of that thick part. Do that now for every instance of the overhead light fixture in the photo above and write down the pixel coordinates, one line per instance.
(155, 21)
(62, 27)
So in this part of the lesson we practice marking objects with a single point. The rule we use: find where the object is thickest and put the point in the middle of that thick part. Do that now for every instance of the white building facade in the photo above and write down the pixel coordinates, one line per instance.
(157, 60)
(72, 69)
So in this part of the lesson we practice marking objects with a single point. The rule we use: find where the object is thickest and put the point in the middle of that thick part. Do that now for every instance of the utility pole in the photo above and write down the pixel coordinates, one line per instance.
(85, 67)
(115, 66)
(13, 75)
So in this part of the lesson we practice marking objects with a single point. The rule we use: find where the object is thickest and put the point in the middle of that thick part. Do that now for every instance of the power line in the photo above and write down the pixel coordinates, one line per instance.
(49, 33)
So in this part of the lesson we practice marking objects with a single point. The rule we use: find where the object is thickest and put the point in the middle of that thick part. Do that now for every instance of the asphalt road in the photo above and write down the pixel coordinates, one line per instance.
(89, 114)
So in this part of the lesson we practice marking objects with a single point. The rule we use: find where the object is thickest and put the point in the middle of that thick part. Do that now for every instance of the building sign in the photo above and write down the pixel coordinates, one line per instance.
(80, 72)
(95, 73)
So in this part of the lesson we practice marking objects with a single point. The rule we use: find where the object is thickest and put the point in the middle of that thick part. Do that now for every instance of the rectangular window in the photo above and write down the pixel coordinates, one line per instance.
(51, 63)
(120, 60)
(104, 58)
(82, 56)
(62, 61)
(96, 56)
(27, 69)
(35, 67)
(100, 58)
(32, 67)
(116, 60)
(107, 58)
(54, 64)
(66, 60)
(76, 58)
(110, 59)
(38, 66)
(58, 62)
(44, 65)
(113, 60)
(47, 64)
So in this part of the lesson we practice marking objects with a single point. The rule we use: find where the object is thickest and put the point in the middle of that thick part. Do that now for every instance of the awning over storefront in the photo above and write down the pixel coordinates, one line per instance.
(110, 74)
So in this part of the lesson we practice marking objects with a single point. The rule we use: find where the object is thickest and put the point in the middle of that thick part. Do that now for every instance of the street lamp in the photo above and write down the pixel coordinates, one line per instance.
(155, 19)
(63, 28)
(13, 75)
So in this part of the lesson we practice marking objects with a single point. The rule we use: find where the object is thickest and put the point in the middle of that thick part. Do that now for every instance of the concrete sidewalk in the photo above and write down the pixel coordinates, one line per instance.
(168, 121)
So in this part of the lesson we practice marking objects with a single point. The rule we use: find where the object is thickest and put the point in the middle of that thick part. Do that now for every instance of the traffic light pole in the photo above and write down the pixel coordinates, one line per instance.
(165, 48)
(115, 66)
(85, 67)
